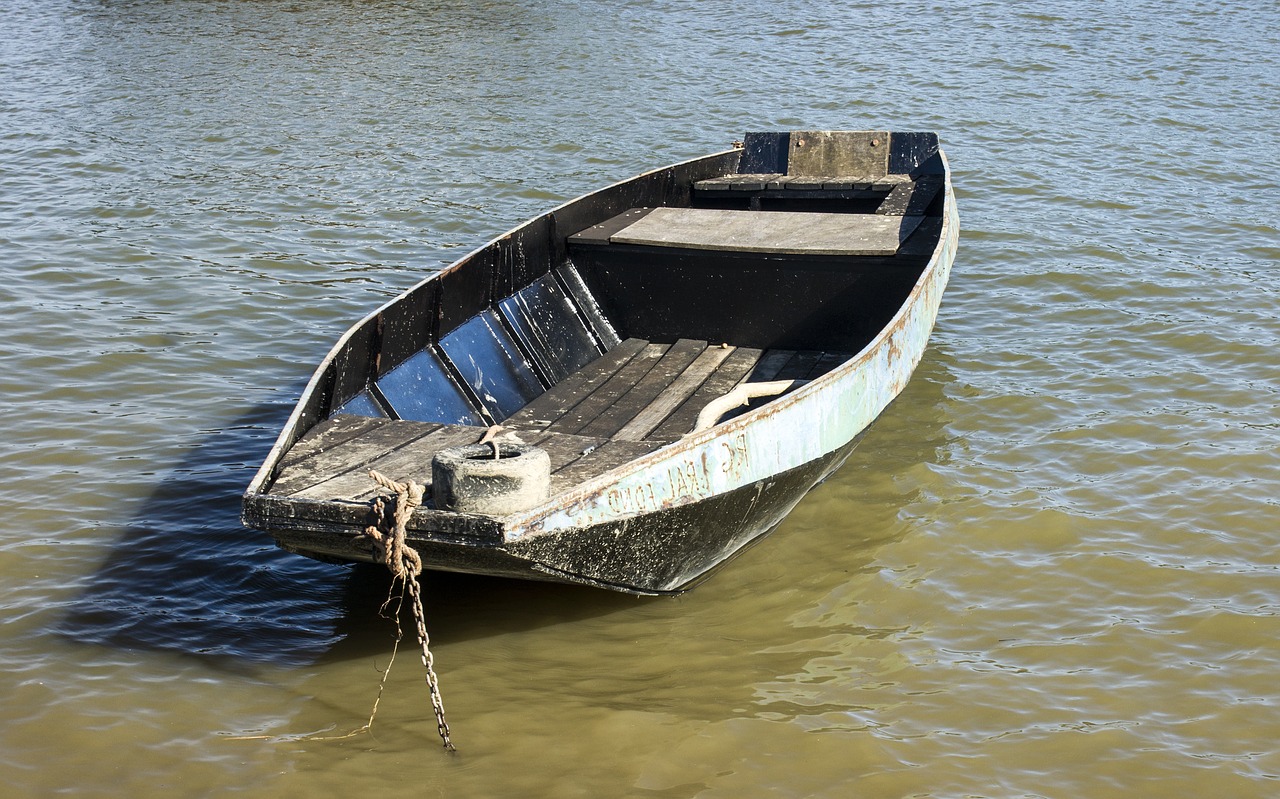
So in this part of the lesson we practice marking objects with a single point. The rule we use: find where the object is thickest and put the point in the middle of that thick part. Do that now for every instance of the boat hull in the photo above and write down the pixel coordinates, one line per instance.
(657, 523)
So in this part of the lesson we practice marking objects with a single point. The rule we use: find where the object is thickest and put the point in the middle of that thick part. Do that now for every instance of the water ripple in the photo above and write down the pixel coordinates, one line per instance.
(1049, 570)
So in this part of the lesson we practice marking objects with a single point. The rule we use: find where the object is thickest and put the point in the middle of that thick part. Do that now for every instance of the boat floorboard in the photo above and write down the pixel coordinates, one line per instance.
(633, 400)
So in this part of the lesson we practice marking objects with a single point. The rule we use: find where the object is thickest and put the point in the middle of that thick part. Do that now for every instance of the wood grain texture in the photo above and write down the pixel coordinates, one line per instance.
(825, 152)
(778, 232)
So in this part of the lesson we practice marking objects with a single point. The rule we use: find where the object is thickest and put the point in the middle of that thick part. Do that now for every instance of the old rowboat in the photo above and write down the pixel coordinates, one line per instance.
(803, 267)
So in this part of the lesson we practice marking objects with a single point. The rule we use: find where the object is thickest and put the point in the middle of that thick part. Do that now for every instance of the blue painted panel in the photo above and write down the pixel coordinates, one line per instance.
(362, 404)
(421, 390)
(491, 364)
(546, 324)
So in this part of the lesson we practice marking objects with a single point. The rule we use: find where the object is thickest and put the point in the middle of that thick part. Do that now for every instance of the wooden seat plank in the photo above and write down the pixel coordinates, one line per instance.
(548, 407)
(410, 461)
(882, 183)
(600, 233)
(911, 199)
(298, 475)
(589, 406)
(675, 394)
(777, 232)
(729, 373)
(739, 182)
(679, 357)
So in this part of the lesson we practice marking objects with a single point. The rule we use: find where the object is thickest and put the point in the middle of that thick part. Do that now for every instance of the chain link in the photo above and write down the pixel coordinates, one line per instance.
(405, 564)
(428, 662)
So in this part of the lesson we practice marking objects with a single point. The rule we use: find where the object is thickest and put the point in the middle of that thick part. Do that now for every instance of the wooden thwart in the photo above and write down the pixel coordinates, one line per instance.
(779, 232)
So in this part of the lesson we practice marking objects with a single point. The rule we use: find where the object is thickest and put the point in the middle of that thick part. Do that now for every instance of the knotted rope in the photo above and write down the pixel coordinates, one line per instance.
(405, 564)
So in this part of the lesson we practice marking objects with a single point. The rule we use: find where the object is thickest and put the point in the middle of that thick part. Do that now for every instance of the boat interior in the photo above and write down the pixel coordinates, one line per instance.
(600, 331)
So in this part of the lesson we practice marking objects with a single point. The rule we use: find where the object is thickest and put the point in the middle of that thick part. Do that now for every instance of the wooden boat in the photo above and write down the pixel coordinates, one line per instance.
(805, 266)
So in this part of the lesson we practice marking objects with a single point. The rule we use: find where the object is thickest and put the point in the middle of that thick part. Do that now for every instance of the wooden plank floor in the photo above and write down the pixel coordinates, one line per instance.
(631, 401)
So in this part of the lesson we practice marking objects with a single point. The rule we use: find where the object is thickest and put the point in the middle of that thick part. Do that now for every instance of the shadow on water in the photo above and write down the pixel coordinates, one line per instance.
(462, 607)
(185, 576)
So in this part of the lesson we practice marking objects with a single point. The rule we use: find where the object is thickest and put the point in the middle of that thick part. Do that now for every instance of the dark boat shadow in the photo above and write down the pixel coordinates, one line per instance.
(460, 607)
(184, 576)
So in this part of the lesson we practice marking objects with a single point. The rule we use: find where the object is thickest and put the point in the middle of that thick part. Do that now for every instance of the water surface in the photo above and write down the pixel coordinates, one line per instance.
(1050, 570)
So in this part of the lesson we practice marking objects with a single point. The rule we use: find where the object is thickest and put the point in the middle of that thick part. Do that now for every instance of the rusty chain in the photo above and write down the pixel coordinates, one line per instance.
(405, 564)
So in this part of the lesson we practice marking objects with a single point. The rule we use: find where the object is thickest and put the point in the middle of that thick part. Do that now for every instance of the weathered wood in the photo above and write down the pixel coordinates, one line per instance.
(545, 324)
(586, 305)
(730, 372)
(811, 302)
(696, 501)
(737, 182)
(804, 182)
(492, 367)
(912, 198)
(922, 242)
(590, 406)
(562, 448)
(845, 184)
(826, 363)
(910, 152)
(328, 434)
(353, 364)
(764, 152)
(824, 152)
(781, 232)
(411, 460)
(405, 328)
(342, 517)
(545, 409)
(837, 183)
(625, 408)
(798, 367)
(767, 369)
(609, 455)
(769, 365)
(675, 394)
(599, 234)
(297, 476)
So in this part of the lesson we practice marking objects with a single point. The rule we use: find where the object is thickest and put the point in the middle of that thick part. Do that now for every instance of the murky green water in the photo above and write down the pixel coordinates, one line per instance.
(1050, 570)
